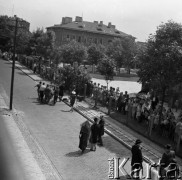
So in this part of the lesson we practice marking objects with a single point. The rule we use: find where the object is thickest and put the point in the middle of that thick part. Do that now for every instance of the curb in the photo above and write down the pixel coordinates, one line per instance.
(25, 72)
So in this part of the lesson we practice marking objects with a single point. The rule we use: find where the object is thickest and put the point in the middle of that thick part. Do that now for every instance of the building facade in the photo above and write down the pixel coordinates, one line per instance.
(85, 32)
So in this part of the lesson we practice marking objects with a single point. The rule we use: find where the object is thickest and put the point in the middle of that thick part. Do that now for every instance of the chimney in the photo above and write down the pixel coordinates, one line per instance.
(78, 19)
(63, 20)
(113, 26)
(101, 23)
(67, 20)
(96, 22)
(109, 24)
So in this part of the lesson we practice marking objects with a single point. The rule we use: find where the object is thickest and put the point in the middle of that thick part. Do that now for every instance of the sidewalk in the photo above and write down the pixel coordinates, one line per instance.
(117, 129)
(25, 162)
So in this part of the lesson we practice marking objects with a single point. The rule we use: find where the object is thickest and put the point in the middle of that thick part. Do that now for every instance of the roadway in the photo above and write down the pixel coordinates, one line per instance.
(56, 131)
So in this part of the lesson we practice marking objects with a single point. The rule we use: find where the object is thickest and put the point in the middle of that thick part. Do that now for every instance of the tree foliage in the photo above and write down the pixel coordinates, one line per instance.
(115, 51)
(129, 52)
(55, 56)
(73, 52)
(7, 33)
(106, 67)
(122, 50)
(41, 43)
(74, 77)
(161, 63)
(95, 53)
(23, 38)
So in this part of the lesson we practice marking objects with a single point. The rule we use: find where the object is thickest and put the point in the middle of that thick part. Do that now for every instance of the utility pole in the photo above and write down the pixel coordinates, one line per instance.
(13, 64)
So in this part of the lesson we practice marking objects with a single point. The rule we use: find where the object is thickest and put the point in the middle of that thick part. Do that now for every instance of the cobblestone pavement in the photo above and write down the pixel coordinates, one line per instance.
(151, 150)
(65, 160)
(51, 135)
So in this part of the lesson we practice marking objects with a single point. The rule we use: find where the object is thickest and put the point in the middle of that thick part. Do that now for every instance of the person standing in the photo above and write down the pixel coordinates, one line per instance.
(72, 100)
(56, 93)
(94, 134)
(38, 89)
(47, 92)
(84, 135)
(137, 158)
(176, 104)
(34, 68)
(178, 133)
(61, 91)
(41, 90)
(101, 130)
(166, 159)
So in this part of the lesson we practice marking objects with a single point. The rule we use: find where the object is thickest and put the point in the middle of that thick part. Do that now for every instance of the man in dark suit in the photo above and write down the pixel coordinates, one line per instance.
(94, 134)
(167, 158)
(137, 158)
(101, 130)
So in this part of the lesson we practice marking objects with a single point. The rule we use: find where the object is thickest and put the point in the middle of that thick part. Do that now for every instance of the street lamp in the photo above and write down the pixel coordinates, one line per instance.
(13, 64)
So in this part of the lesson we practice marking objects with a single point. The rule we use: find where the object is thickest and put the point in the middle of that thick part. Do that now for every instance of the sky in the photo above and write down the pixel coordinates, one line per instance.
(138, 18)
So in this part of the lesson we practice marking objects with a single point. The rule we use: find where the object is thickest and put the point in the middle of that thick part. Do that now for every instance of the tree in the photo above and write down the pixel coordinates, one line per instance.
(95, 53)
(129, 52)
(74, 77)
(161, 62)
(55, 56)
(122, 50)
(23, 38)
(115, 51)
(41, 43)
(106, 67)
(7, 30)
(6, 33)
(73, 52)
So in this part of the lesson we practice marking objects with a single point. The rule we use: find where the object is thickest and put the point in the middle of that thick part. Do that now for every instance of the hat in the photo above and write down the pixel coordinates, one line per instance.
(168, 146)
(138, 141)
(73, 92)
(95, 119)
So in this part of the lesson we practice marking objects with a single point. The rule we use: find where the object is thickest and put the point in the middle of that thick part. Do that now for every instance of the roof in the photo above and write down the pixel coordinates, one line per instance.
(91, 27)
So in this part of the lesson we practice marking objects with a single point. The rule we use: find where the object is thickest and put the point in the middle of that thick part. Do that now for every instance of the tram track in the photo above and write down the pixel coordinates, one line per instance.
(117, 133)
(150, 155)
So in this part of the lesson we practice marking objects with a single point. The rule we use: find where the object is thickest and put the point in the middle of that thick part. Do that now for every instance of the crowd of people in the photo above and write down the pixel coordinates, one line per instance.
(91, 134)
(142, 108)
(49, 94)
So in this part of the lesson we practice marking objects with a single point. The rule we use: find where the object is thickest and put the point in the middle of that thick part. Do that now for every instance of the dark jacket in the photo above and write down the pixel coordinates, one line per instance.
(136, 155)
(101, 127)
(167, 158)
(94, 133)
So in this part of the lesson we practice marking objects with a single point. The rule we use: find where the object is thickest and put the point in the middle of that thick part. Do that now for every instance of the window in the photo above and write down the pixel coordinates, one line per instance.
(101, 41)
(79, 38)
(95, 40)
(68, 37)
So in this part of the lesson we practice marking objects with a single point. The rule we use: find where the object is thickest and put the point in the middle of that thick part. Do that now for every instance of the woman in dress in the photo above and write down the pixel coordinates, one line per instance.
(84, 135)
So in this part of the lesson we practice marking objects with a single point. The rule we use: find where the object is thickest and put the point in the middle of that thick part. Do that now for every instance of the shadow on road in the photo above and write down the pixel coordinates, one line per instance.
(66, 110)
(39, 103)
(77, 153)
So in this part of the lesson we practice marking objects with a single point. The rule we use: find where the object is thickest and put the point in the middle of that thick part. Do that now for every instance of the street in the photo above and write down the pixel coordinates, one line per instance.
(57, 131)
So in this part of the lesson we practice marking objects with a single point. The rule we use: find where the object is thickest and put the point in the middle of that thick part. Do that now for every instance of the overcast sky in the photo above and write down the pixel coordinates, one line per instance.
(136, 17)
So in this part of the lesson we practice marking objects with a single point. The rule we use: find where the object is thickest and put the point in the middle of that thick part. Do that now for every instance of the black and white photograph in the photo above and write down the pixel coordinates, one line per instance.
(90, 89)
